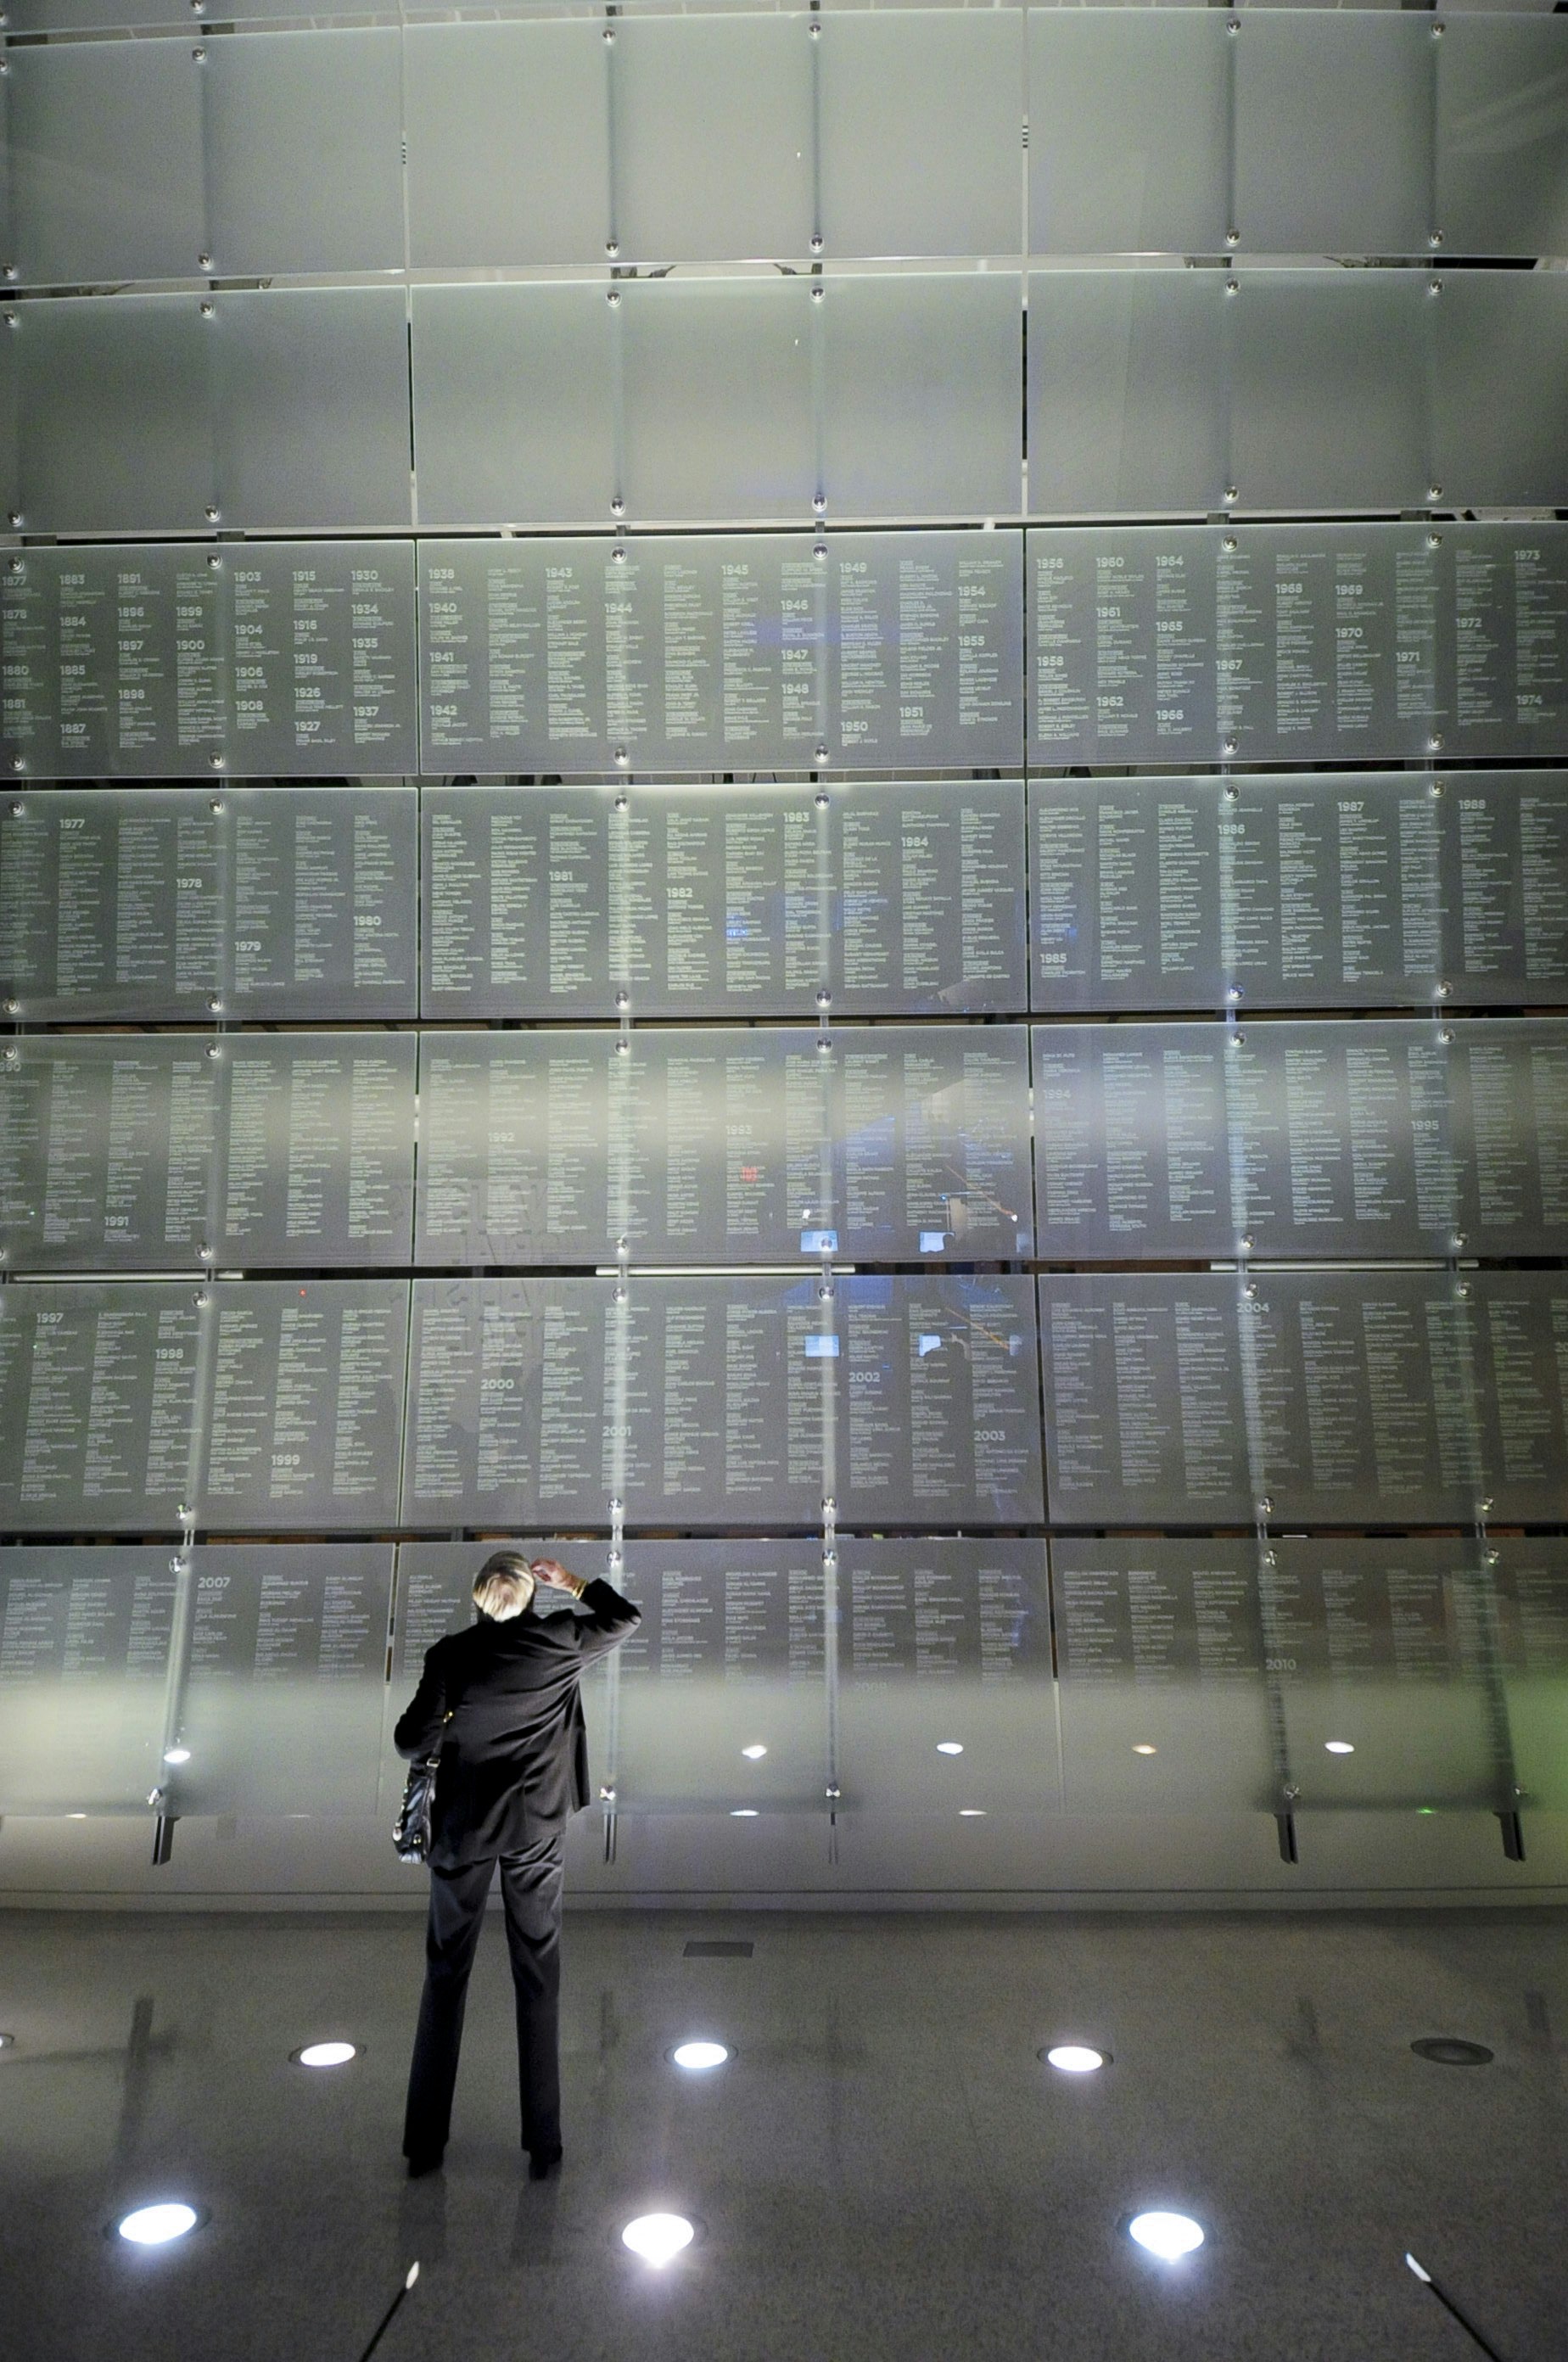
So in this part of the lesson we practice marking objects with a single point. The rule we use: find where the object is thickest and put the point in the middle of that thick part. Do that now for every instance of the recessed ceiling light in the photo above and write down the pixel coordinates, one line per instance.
(76, 1816)
(176, 1755)
(744, 1813)
(698, 2058)
(1076, 2059)
(327, 2054)
(950, 1747)
(154, 2227)
(1169, 2237)
(1339, 1747)
(755, 1753)
(1144, 1748)
(658, 2238)
(971, 1811)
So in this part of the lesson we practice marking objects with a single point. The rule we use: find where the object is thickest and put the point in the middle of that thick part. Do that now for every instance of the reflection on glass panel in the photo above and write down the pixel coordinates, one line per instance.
(279, 1708)
(1528, 1590)
(313, 409)
(718, 392)
(945, 1678)
(508, 143)
(513, 407)
(305, 151)
(1334, 131)
(1328, 389)
(1386, 1677)
(1502, 135)
(105, 160)
(1160, 1651)
(1508, 1088)
(1129, 137)
(712, 138)
(1521, 1391)
(920, 129)
(1501, 422)
(1126, 396)
(81, 16)
(723, 1699)
(113, 432)
(921, 404)
(84, 1662)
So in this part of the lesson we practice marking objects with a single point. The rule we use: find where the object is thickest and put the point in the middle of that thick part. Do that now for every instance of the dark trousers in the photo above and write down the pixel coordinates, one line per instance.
(531, 1892)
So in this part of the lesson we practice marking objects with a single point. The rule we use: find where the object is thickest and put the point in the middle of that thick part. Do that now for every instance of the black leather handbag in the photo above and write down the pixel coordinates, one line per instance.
(411, 1830)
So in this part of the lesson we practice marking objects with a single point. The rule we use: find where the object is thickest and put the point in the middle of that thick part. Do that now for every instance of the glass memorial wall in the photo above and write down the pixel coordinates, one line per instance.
(651, 895)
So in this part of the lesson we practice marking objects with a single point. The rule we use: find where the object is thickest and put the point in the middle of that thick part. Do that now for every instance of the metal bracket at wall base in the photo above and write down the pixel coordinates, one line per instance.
(1289, 1849)
(1513, 1835)
(163, 1839)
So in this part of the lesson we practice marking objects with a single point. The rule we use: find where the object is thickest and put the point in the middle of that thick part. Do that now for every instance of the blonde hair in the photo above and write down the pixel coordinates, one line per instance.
(504, 1587)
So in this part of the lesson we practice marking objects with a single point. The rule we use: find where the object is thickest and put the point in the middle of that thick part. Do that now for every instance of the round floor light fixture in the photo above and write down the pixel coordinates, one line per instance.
(950, 1747)
(1076, 2058)
(744, 1813)
(1452, 2050)
(1339, 1747)
(325, 2054)
(755, 1752)
(700, 2058)
(156, 2227)
(658, 2238)
(1168, 2235)
(176, 1755)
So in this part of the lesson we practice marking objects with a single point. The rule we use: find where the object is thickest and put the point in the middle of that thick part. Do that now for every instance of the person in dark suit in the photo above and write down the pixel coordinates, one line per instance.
(500, 1702)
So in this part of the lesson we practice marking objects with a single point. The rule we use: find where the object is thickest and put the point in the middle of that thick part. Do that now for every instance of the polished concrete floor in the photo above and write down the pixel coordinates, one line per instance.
(885, 2169)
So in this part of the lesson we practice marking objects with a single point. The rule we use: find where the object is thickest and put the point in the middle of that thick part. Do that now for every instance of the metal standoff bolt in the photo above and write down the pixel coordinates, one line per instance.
(12, 1053)
(215, 1004)
(1445, 1035)
(1246, 1242)
(11, 319)
(1486, 1506)
(614, 297)
(1227, 746)
(830, 1506)
(1434, 491)
(1233, 792)
(623, 1000)
(1435, 789)
(617, 1296)
(1435, 238)
(1232, 286)
(206, 1254)
(1250, 1291)
(218, 762)
(818, 551)
(817, 241)
(1462, 1288)
(830, 1559)
(1459, 1235)
(1238, 1039)
(199, 57)
(1434, 742)
(817, 293)
(14, 519)
(1434, 287)
(824, 1293)
(1265, 1505)
(612, 245)
(1490, 1557)
(1434, 541)
(609, 35)
(18, 762)
(618, 555)
(1436, 31)
(822, 800)
(206, 311)
(832, 1794)
(623, 1048)
(216, 564)
(617, 507)
(1233, 26)
(1442, 990)
(1290, 1792)
(622, 1248)
(214, 512)
(622, 756)
(818, 502)
(622, 800)
(214, 804)
(13, 1008)
(824, 998)
(203, 262)
(814, 32)
(18, 811)
(1231, 493)
(1232, 992)
(825, 1044)
(1268, 1558)
(1232, 238)
(213, 1050)
(616, 1504)
(1230, 544)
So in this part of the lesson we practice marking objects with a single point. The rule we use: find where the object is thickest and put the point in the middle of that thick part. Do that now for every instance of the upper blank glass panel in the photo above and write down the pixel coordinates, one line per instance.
(1126, 394)
(1500, 424)
(1328, 389)
(105, 141)
(313, 407)
(718, 399)
(304, 155)
(112, 431)
(711, 138)
(1334, 131)
(508, 143)
(1129, 139)
(921, 124)
(1502, 135)
(921, 401)
(512, 415)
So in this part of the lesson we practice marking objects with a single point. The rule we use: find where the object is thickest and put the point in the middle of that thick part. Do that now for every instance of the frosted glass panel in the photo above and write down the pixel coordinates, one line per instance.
(1334, 131)
(83, 1674)
(1129, 140)
(112, 431)
(304, 156)
(921, 128)
(1500, 427)
(1502, 135)
(1328, 399)
(712, 137)
(313, 407)
(718, 399)
(512, 411)
(508, 143)
(922, 409)
(1126, 407)
(106, 144)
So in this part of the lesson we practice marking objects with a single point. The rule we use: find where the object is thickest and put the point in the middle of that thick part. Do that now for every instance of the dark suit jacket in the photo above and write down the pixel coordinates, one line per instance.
(513, 1756)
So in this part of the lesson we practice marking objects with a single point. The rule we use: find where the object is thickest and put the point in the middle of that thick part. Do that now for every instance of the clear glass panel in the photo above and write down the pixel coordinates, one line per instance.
(326, 908)
(1509, 1082)
(711, 137)
(312, 415)
(105, 141)
(1334, 131)
(1129, 131)
(921, 131)
(514, 416)
(718, 396)
(1126, 405)
(305, 151)
(1500, 424)
(921, 400)
(317, 1144)
(1502, 135)
(508, 143)
(83, 1668)
(1328, 389)
(1531, 1594)
(113, 430)
(99, 1405)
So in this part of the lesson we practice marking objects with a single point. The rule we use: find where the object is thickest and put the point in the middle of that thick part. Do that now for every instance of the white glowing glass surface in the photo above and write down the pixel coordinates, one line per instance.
(313, 407)
(718, 399)
(1128, 131)
(699, 2057)
(1500, 397)
(154, 2226)
(508, 143)
(305, 151)
(1329, 389)
(710, 137)
(512, 409)
(112, 414)
(106, 161)
(327, 2054)
(1334, 131)
(1126, 394)
(921, 395)
(1502, 134)
(1074, 2059)
(658, 2238)
(1169, 2237)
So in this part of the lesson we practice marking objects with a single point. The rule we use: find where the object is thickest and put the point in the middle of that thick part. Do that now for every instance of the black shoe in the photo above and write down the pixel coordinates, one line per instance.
(542, 2163)
(424, 2161)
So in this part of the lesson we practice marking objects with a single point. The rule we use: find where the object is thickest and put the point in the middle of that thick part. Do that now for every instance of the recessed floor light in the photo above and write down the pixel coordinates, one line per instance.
(755, 1754)
(176, 1755)
(1449, 2050)
(698, 2058)
(326, 2054)
(76, 1816)
(1169, 2237)
(744, 1813)
(1338, 1747)
(971, 1811)
(950, 1747)
(154, 2227)
(1144, 1748)
(658, 2238)
(7, 2041)
(1076, 2058)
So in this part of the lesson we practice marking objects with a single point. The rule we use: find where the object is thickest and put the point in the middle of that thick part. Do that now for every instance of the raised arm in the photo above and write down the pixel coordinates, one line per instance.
(609, 1618)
